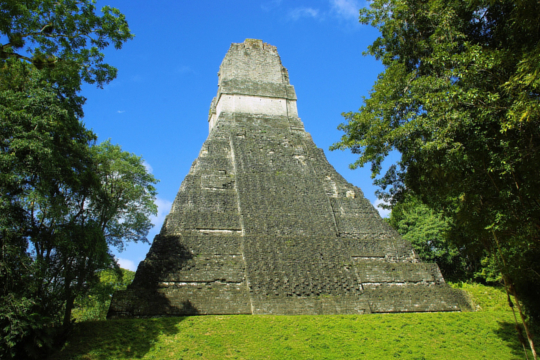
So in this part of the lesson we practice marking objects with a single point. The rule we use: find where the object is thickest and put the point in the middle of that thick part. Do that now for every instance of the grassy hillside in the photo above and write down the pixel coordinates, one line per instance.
(485, 334)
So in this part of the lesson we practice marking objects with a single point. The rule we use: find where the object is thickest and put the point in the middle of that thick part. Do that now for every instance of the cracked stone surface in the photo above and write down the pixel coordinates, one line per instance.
(263, 224)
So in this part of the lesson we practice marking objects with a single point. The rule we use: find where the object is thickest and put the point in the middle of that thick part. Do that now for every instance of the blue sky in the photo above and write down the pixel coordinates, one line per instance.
(158, 106)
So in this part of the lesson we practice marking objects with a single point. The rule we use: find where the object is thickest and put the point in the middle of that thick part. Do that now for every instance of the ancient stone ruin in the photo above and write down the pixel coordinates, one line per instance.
(263, 224)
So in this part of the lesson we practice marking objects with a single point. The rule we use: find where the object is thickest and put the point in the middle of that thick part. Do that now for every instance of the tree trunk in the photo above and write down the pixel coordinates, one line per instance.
(68, 278)
(529, 336)
(510, 288)
(67, 313)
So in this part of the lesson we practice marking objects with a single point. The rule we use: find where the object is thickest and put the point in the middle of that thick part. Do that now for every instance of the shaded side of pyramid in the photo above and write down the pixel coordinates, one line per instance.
(263, 224)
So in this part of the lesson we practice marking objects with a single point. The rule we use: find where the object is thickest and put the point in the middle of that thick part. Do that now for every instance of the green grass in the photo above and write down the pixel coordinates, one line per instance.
(486, 298)
(457, 336)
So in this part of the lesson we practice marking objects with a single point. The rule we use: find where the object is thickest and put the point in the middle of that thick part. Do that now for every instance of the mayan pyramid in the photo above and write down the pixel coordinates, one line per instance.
(263, 224)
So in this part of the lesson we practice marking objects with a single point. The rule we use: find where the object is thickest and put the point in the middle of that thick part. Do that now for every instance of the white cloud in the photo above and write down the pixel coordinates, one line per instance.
(183, 69)
(383, 212)
(137, 78)
(126, 264)
(121, 111)
(147, 166)
(347, 9)
(298, 13)
(270, 5)
(164, 206)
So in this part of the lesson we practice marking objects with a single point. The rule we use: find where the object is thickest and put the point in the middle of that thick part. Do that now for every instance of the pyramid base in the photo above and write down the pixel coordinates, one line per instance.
(235, 300)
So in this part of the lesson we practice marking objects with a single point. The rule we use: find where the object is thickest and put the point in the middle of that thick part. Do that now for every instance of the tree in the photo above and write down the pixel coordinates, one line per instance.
(426, 229)
(115, 212)
(95, 304)
(459, 99)
(63, 38)
(43, 150)
(64, 201)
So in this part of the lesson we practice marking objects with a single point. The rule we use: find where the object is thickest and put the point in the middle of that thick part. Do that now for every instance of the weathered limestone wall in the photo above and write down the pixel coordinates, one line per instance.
(254, 61)
(263, 224)
(255, 105)
(252, 80)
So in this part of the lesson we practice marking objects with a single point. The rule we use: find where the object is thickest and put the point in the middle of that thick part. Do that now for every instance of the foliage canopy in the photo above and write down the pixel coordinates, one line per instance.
(94, 305)
(460, 100)
(65, 201)
(63, 37)
(426, 229)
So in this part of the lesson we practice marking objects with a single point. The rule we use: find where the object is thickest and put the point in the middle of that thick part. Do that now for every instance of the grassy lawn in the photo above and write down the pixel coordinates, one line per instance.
(486, 334)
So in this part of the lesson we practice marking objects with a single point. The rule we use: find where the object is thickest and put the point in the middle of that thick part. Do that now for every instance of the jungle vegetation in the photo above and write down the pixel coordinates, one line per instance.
(65, 200)
(459, 100)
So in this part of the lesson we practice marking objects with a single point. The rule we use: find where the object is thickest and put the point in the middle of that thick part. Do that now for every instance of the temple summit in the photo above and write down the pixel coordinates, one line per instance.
(263, 224)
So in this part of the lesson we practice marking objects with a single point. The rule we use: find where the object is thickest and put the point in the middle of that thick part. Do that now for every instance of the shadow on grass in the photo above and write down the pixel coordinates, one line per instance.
(118, 338)
(508, 333)
(124, 336)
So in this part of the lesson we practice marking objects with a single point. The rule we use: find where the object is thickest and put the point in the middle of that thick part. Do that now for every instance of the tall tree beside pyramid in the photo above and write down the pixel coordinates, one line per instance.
(460, 100)
(263, 224)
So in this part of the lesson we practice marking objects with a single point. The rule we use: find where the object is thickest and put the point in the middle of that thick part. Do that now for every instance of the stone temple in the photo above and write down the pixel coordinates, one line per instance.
(263, 224)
